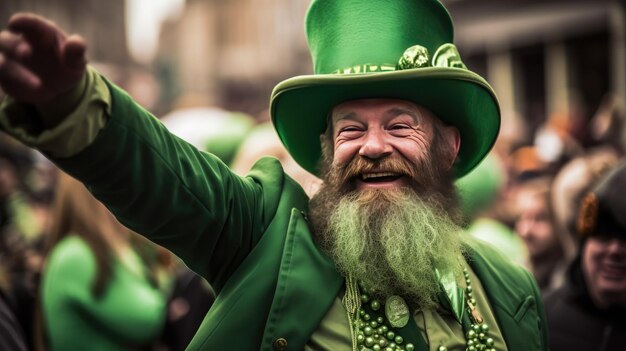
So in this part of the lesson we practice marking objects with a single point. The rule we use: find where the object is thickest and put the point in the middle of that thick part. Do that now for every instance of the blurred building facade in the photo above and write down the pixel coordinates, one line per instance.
(234, 52)
(545, 58)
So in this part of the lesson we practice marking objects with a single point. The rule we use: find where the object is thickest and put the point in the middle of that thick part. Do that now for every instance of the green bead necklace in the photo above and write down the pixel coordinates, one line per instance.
(375, 332)
(478, 334)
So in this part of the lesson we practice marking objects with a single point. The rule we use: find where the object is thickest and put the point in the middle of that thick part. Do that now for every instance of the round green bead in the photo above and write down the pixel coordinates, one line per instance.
(375, 305)
(490, 342)
(476, 327)
(374, 324)
(389, 349)
(380, 320)
(470, 334)
(382, 342)
(376, 347)
(369, 341)
(442, 348)
(360, 338)
(471, 348)
(391, 335)
(398, 339)
(368, 331)
(484, 328)
(364, 298)
(482, 336)
(385, 329)
(410, 347)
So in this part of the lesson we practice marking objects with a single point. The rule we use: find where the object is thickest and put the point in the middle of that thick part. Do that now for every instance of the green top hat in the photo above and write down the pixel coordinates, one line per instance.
(399, 49)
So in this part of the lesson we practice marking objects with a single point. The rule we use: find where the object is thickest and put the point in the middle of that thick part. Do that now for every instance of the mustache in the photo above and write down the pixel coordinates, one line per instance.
(360, 165)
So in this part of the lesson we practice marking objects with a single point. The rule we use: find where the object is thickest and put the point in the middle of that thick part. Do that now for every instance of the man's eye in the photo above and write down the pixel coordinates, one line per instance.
(349, 129)
(399, 127)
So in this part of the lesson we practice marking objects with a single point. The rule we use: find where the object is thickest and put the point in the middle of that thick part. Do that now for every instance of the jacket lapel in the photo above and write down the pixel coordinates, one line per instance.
(307, 285)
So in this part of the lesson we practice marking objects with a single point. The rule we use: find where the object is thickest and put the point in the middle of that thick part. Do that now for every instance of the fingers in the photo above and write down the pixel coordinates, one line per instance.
(14, 46)
(35, 29)
(15, 79)
(38, 60)
(73, 52)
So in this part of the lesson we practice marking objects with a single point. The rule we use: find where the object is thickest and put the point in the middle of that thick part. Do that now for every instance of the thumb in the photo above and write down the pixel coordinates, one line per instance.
(73, 53)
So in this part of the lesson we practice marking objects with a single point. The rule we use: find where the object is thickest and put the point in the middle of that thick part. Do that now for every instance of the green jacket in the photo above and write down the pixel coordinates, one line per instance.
(248, 236)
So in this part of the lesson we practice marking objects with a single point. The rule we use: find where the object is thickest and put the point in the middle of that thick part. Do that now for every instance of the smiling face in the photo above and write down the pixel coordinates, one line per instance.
(604, 269)
(387, 212)
(388, 138)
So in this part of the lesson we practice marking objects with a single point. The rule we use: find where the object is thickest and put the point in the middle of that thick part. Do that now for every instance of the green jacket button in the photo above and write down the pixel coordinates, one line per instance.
(280, 344)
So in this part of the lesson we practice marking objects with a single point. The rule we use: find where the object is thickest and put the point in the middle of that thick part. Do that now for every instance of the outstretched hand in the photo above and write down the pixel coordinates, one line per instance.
(38, 61)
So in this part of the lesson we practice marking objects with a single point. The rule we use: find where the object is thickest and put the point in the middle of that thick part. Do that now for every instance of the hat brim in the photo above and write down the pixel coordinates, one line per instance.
(461, 98)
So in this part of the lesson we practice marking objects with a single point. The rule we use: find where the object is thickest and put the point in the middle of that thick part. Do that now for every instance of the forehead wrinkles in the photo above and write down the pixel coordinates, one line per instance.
(340, 112)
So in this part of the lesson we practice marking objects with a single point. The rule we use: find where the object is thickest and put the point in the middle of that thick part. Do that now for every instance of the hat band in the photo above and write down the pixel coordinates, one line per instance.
(366, 68)
(414, 57)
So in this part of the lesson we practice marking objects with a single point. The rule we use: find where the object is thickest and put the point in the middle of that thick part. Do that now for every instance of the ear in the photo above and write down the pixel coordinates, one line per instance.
(452, 143)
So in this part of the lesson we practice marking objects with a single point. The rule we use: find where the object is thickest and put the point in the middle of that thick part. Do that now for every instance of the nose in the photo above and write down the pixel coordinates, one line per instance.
(617, 246)
(375, 145)
(524, 228)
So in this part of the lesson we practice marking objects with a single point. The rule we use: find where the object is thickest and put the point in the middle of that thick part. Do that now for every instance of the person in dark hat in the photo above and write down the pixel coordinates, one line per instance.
(587, 313)
(377, 259)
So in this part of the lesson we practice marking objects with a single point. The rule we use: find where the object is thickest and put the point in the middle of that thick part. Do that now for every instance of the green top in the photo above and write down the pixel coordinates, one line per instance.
(130, 312)
(439, 328)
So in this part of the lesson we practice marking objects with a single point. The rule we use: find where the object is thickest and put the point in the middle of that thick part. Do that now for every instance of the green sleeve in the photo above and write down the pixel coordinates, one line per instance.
(155, 183)
(179, 197)
(73, 119)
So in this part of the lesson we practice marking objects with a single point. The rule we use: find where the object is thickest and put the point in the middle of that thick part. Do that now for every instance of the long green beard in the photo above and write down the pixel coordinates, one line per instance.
(391, 241)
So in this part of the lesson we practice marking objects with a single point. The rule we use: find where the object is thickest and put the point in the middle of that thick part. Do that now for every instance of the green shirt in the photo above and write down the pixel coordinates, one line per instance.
(438, 328)
(131, 311)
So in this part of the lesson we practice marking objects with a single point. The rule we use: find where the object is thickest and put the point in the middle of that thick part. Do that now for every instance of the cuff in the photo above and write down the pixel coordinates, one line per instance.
(75, 118)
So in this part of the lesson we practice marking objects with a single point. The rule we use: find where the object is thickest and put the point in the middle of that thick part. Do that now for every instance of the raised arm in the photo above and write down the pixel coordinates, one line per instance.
(155, 183)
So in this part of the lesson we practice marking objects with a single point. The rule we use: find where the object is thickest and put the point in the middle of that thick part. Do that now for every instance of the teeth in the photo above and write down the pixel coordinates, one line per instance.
(378, 175)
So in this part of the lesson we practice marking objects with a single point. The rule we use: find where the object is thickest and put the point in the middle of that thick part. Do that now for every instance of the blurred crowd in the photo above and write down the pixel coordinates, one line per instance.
(525, 198)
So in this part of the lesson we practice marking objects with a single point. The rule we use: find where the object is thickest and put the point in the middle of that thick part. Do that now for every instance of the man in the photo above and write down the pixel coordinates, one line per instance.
(535, 224)
(375, 260)
(587, 313)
